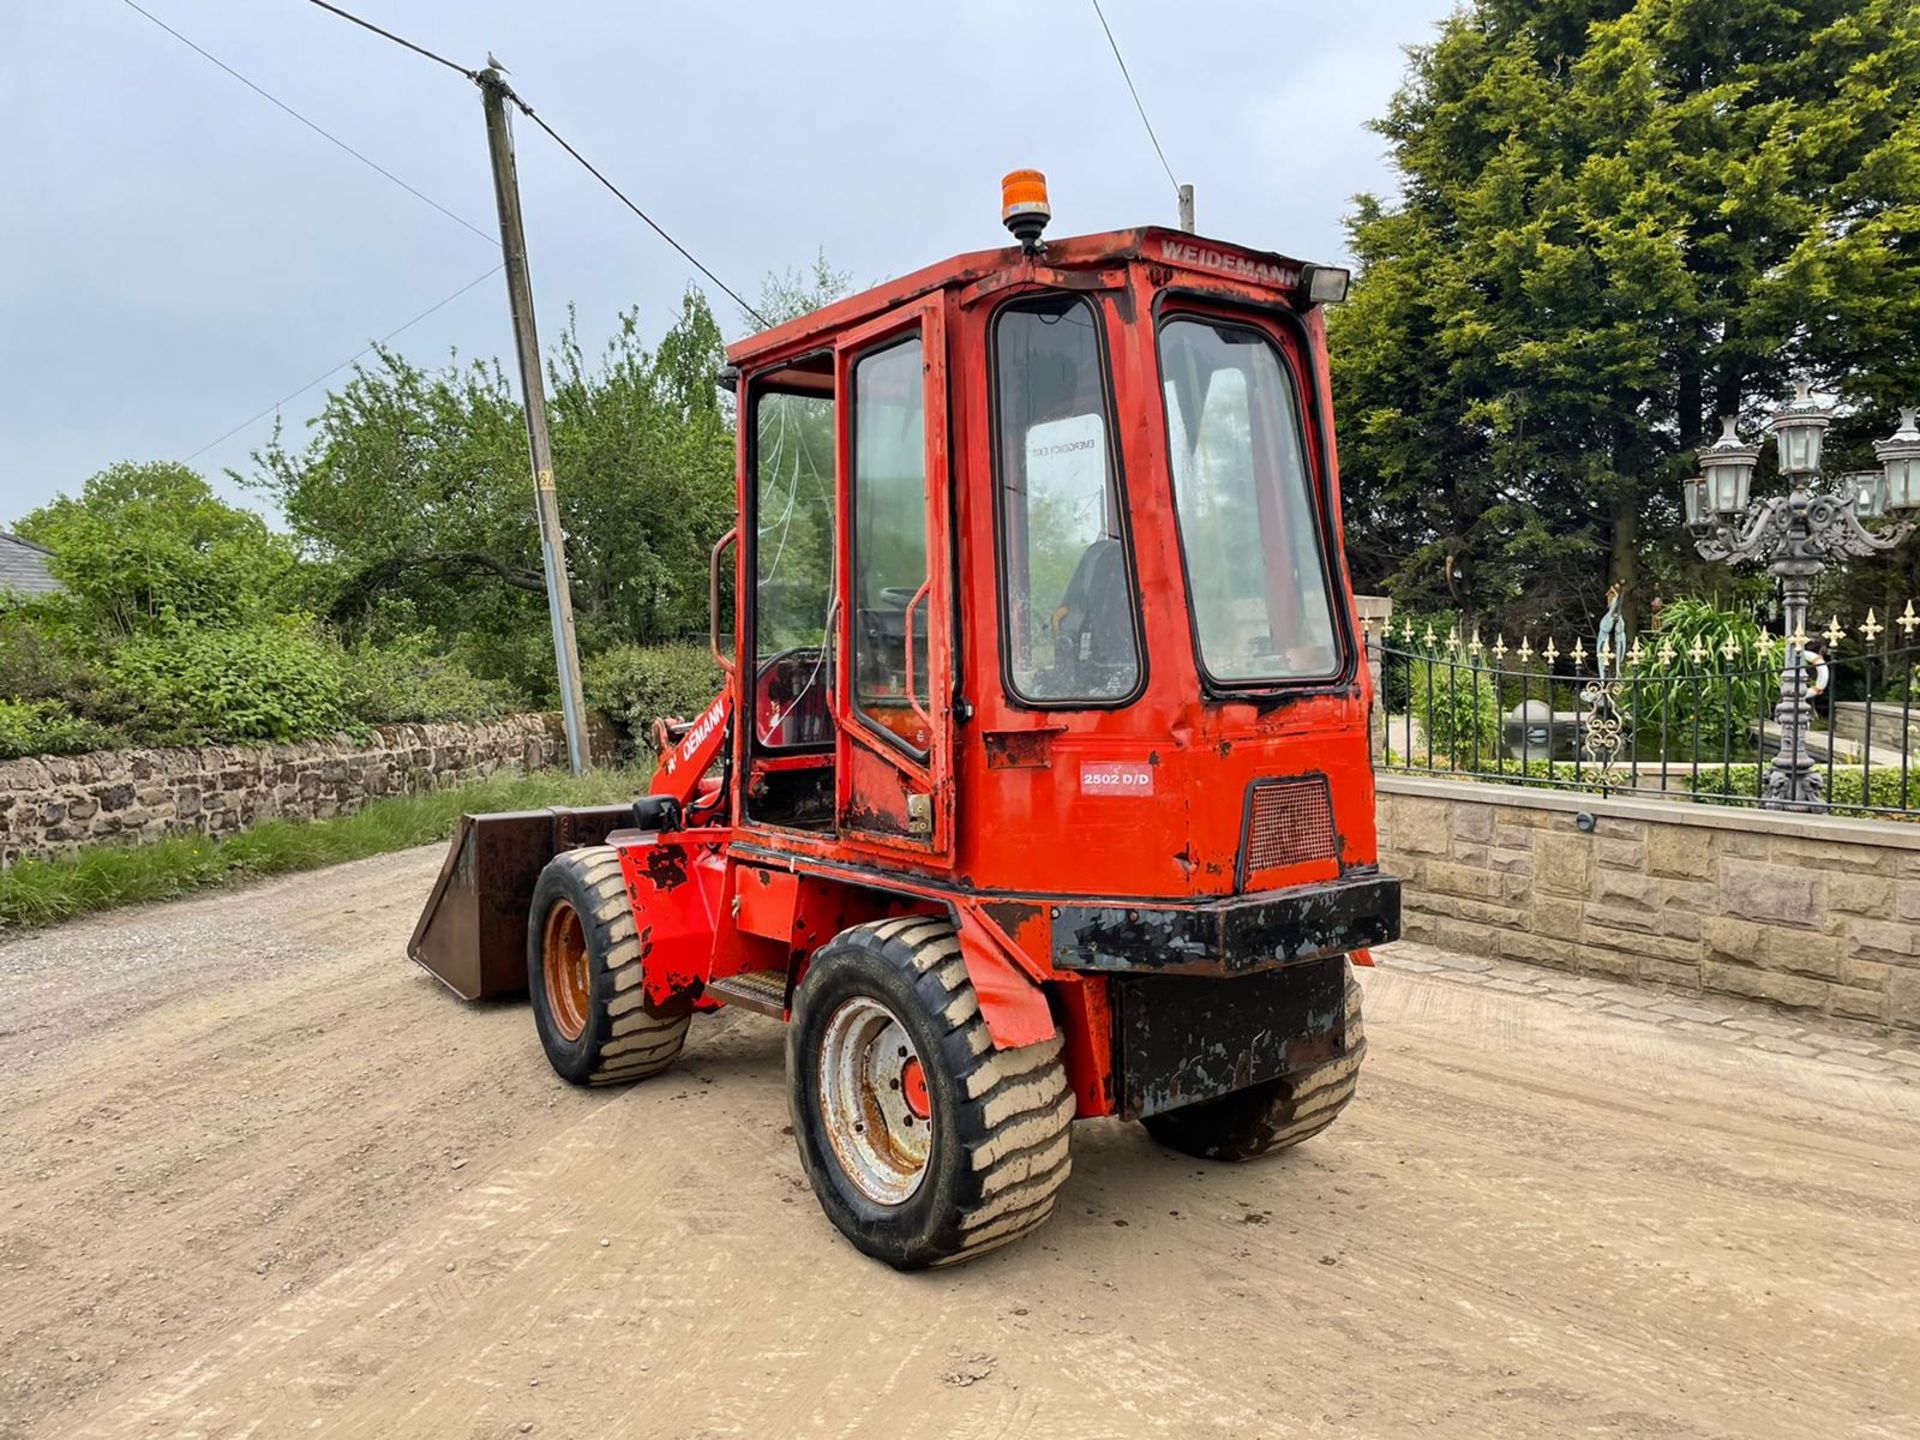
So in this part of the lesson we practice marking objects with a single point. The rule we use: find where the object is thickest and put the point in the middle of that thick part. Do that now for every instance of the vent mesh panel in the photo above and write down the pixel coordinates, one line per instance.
(1291, 821)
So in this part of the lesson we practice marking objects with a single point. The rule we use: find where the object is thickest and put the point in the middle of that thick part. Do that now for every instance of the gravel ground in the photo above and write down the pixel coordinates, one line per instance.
(262, 1177)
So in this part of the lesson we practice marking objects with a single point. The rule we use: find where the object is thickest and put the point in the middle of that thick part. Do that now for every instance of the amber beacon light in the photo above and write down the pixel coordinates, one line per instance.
(1023, 207)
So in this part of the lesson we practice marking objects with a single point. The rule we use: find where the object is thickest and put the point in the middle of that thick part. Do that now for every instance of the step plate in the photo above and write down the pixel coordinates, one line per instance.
(762, 991)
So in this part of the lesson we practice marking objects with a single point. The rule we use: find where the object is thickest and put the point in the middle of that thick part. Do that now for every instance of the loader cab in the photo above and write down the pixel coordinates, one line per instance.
(1040, 578)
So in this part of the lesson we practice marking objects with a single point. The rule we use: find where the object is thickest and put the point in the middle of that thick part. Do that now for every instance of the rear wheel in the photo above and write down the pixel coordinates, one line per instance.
(586, 955)
(1275, 1115)
(924, 1144)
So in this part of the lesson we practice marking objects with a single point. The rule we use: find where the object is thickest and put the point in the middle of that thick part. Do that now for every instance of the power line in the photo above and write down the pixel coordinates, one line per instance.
(1136, 95)
(559, 140)
(311, 125)
(653, 224)
(350, 360)
(399, 40)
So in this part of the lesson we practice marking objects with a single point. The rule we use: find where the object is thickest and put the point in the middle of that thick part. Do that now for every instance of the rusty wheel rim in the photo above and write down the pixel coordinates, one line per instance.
(874, 1101)
(563, 966)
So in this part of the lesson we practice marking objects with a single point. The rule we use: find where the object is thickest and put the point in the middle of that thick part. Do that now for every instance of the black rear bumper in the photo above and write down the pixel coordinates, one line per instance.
(1232, 935)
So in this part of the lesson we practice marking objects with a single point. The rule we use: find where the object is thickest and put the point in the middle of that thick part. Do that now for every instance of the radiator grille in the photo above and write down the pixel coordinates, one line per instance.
(1289, 822)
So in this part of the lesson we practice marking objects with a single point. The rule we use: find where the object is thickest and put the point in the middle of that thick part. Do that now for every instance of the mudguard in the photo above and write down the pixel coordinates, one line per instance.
(676, 881)
(1012, 1003)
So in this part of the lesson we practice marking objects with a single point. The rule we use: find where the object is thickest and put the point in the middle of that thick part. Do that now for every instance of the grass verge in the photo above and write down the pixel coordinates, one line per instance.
(43, 892)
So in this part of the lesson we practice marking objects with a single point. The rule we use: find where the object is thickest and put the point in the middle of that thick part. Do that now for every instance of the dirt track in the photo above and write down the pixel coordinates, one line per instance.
(261, 1177)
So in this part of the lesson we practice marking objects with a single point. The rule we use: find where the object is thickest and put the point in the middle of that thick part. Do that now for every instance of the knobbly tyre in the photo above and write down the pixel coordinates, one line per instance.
(1039, 784)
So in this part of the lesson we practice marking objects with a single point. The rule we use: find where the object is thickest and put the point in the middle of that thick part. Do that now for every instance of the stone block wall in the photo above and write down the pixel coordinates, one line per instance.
(54, 804)
(1806, 911)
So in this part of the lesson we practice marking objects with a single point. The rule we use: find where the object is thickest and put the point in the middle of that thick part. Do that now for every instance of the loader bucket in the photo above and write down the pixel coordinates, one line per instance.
(472, 935)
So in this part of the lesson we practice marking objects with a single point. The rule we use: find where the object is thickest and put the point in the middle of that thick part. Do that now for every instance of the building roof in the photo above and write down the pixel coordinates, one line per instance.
(23, 567)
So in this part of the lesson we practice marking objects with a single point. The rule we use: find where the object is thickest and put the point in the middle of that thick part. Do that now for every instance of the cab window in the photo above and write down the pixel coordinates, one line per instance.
(890, 575)
(793, 441)
(1070, 622)
(1249, 527)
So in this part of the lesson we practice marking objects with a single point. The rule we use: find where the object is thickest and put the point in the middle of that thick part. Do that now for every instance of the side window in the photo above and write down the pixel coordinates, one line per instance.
(793, 565)
(1070, 621)
(890, 575)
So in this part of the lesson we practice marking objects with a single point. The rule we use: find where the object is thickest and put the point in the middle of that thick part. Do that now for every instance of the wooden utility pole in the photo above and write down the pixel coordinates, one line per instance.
(533, 393)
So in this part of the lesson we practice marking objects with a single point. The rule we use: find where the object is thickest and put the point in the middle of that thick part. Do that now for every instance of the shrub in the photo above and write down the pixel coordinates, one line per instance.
(278, 680)
(47, 727)
(1884, 790)
(634, 685)
(1737, 784)
(39, 659)
(1683, 694)
(1459, 710)
(404, 681)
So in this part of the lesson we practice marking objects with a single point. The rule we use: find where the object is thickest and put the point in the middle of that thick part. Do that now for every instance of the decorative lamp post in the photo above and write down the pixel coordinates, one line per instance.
(1796, 535)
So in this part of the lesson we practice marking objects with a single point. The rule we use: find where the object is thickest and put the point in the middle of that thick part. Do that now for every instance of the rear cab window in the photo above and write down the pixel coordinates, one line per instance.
(1068, 609)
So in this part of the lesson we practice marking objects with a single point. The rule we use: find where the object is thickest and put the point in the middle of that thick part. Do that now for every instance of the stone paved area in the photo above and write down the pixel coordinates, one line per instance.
(1861, 1049)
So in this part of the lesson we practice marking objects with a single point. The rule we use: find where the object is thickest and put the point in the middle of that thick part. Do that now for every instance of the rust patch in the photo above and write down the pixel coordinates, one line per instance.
(1019, 749)
(666, 866)
(1010, 915)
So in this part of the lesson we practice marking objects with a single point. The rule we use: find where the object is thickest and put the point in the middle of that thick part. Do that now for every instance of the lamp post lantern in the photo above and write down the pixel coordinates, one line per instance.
(1796, 535)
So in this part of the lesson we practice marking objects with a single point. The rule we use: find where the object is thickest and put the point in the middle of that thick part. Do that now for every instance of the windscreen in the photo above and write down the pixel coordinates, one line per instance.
(1256, 566)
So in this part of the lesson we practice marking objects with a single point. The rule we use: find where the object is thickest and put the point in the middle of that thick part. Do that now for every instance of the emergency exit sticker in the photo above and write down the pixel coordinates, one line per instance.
(1116, 777)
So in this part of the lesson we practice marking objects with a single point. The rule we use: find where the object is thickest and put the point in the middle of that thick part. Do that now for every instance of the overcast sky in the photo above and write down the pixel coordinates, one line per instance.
(177, 254)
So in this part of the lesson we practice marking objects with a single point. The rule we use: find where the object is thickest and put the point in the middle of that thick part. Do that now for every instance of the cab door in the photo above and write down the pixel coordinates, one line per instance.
(894, 780)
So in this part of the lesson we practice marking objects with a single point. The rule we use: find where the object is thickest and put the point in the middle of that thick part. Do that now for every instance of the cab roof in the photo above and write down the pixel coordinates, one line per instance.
(1215, 259)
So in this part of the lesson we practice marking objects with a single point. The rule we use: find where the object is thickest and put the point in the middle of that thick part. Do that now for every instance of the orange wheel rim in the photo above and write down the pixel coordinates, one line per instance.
(563, 965)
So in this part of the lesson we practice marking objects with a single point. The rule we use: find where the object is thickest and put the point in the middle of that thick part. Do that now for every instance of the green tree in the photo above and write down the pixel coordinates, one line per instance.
(789, 294)
(151, 546)
(1617, 219)
(413, 494)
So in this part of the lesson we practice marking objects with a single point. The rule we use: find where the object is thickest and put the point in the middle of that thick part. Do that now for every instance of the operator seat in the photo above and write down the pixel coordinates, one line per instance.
(1093, 626)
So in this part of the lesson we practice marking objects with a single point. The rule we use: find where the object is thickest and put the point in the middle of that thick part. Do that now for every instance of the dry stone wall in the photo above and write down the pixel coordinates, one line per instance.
(54, 804)
(1806, 911)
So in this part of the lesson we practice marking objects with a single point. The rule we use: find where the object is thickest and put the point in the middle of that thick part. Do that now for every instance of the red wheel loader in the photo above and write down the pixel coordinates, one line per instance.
(1039, 787)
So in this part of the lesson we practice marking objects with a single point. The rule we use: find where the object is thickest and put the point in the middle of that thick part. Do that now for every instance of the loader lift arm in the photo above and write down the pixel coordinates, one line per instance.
(688, 752)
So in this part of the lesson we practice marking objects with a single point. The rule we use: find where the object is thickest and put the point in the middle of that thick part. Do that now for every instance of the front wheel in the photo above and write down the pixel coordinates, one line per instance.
(1276, 1114)
(924, 1144)
(586, 957)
